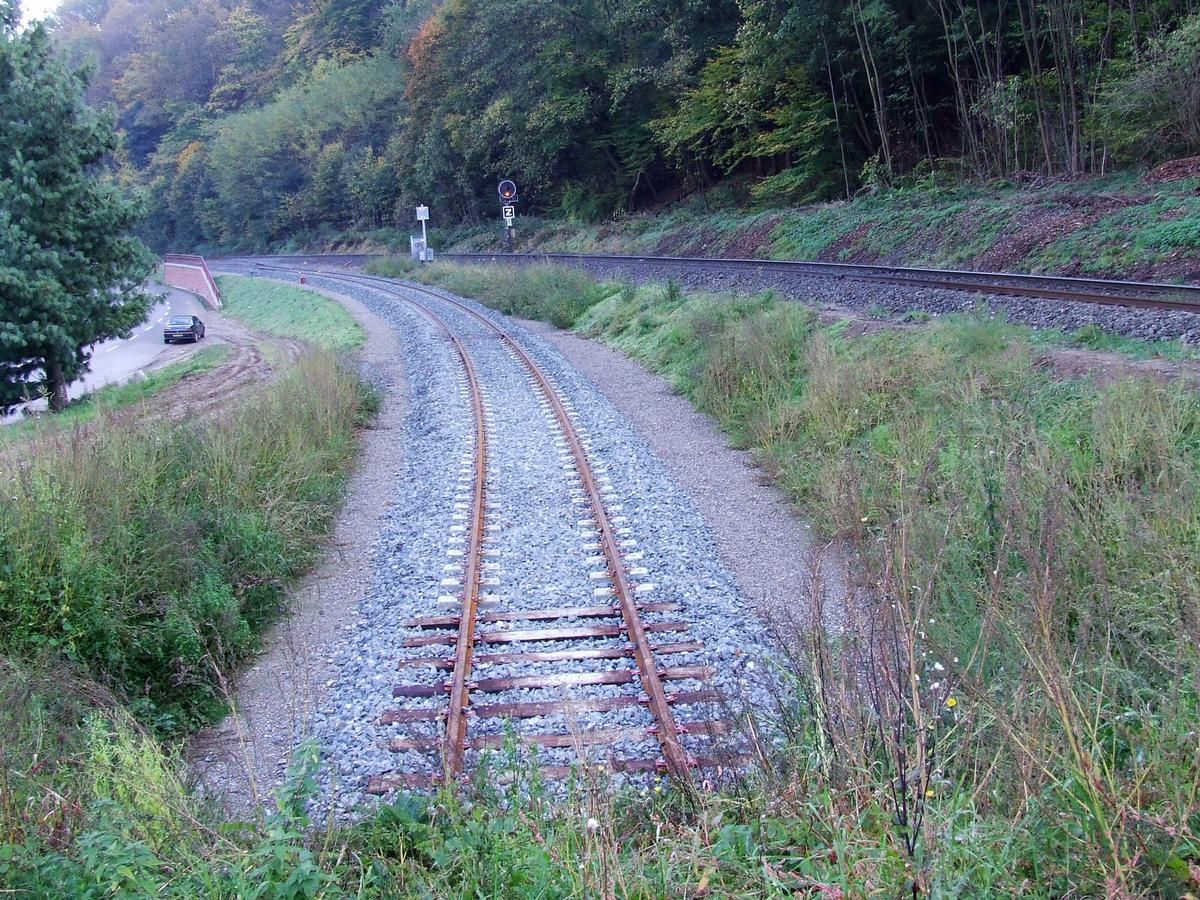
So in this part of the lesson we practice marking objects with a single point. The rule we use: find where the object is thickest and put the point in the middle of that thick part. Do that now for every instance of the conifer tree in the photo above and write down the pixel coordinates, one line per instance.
(69, 273)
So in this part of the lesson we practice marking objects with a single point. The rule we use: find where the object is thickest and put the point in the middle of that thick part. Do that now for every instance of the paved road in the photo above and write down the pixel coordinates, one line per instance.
(115, 361)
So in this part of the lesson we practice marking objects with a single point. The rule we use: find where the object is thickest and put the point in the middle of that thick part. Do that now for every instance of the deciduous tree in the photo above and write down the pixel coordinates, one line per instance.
(69, 275)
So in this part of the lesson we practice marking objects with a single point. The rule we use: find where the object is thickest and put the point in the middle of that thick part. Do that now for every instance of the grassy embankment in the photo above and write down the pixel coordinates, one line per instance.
(139, 563)
(1017, 717)
(1019, 713)
(288, 311)
(1119, 226)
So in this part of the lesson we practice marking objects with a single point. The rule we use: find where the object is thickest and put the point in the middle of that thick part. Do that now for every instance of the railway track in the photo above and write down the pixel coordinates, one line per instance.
(475, 633)
(1107, 292)
(1134, 294)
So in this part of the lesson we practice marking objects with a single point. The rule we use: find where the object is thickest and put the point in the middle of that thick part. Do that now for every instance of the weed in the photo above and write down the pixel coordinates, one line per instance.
(553, 293)
(390, 266)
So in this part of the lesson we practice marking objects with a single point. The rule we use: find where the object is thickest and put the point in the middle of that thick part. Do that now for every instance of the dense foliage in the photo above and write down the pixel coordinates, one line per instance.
(69, 274)
(254, 126)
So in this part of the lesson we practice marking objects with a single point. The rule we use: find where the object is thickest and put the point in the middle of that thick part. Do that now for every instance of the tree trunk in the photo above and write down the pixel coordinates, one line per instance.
(837, 119)
(58, 385)
(874, 85)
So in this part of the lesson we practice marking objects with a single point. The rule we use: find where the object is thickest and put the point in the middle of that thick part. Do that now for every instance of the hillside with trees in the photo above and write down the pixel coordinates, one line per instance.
(256, 123)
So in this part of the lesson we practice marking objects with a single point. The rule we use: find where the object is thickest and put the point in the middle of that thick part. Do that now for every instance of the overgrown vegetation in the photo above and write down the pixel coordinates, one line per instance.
(1120, 225)
(254, 126)
(1009, 710)
(390, 266)
(1012, 708)
(152, 555)
(284, 310)
(553, 293)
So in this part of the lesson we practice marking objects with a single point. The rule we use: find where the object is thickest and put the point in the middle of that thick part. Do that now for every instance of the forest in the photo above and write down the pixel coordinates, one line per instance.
(267, 123)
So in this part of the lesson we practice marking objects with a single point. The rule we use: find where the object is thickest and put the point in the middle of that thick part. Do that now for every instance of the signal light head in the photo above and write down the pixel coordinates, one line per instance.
(508, 190)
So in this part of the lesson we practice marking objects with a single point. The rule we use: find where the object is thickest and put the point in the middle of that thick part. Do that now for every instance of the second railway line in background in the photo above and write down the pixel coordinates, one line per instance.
(1135, 294)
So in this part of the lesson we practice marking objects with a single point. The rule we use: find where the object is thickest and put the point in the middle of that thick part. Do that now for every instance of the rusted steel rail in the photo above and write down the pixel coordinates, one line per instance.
(453, 754)
(455, 739)
(639, 645)
(676, 759)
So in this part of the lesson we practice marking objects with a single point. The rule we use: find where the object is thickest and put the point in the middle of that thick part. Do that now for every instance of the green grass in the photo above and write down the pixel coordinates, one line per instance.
(1092, 337)
(1013, 711)
(1038, 542)
(152, 555)
(390, 266)
(1159, 229)
(553, 293)
(113, 398)
(284, 310)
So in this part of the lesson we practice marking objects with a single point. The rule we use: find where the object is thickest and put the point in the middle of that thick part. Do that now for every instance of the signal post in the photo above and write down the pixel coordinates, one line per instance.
(508, 210)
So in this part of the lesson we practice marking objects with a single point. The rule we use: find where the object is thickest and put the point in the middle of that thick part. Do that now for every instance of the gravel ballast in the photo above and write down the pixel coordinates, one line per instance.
(542, 553)
(901, 301)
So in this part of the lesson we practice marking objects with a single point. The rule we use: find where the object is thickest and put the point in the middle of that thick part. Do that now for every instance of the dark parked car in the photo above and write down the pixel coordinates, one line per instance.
(182, 328)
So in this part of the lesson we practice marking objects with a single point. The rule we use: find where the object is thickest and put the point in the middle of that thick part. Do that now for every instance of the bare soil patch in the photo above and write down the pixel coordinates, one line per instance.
(1034, 229)
(680, 243)
(1105, 368)
(1174, 170)
(751, 242)
(850, 244)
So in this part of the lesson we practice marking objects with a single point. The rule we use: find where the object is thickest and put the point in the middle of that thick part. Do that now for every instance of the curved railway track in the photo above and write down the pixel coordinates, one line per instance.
(466, 631)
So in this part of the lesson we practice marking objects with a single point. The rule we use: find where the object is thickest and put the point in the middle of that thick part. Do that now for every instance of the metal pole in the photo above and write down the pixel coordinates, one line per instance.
(424, 243)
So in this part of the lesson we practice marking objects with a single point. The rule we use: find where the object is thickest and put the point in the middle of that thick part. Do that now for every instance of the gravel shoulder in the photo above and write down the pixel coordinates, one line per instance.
(241, 760)
(776, 558)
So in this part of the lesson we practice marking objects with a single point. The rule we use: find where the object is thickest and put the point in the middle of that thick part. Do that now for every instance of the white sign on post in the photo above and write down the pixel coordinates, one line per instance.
(422, 213)
(509, 212)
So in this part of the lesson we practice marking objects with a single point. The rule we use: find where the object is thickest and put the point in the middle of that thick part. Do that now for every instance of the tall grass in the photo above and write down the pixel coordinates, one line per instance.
(1013, 702)
(553, 293)
(285, 310)
(1026, 662)
(1007, 706)
(154, 554)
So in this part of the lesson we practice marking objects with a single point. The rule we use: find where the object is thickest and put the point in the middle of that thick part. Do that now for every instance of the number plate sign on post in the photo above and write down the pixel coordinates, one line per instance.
(422, 213)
